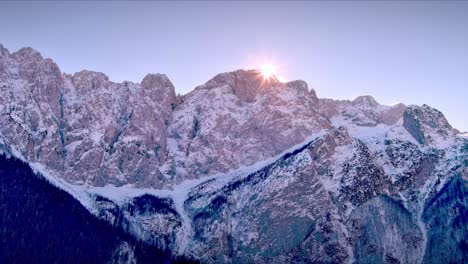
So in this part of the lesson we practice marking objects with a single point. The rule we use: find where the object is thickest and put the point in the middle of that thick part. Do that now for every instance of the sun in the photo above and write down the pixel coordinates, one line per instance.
(268, 70)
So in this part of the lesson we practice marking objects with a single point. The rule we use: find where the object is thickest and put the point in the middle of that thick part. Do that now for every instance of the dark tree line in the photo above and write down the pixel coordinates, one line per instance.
(40, 223)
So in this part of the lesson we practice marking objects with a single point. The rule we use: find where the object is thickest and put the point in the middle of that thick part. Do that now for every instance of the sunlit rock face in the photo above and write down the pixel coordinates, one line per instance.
(83, 126)
(239, 118)
(117, 129)
(30, 105)
(362, 111)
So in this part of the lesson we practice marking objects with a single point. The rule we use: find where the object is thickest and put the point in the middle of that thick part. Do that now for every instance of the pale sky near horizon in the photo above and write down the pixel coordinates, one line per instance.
(411, 52)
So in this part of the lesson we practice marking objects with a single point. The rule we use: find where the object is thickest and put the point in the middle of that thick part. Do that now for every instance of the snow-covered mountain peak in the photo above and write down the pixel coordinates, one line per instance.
(362, 111)
(365, 101)
(426, 124)
(237, 118)
(245, 84)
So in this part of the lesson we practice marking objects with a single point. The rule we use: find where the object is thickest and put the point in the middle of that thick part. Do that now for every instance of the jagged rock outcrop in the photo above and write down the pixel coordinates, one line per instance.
(83, 126)
(426, 124)
(126, 140)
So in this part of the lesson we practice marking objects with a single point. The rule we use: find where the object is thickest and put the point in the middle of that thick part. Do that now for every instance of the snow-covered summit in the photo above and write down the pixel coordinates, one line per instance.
(362, 111)
(238, 118)
(426, 124)
(245, 84)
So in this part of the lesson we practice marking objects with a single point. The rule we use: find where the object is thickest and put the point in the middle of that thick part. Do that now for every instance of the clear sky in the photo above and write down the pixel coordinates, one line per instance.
(411, 52)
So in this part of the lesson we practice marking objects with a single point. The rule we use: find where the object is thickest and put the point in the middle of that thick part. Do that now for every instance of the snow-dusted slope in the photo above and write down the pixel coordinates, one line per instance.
(312, 203)
(242, 169)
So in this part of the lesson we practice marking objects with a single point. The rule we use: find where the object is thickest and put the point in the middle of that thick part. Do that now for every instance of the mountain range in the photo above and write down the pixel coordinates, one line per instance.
(242, 169)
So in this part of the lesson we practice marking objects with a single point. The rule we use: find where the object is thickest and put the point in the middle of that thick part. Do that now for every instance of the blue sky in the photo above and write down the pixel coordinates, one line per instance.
(411, 52)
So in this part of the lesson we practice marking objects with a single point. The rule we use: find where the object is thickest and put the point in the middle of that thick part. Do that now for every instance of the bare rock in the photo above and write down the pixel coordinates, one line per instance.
(235, 120)
(426, 124)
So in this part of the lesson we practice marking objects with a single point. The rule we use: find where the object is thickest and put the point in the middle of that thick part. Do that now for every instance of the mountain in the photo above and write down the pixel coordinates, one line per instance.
(243, 168)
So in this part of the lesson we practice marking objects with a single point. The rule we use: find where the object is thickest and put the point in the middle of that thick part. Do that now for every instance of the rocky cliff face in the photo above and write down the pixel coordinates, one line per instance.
(243, 168)
(83, 126)
(237, 119)
(426, 124)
